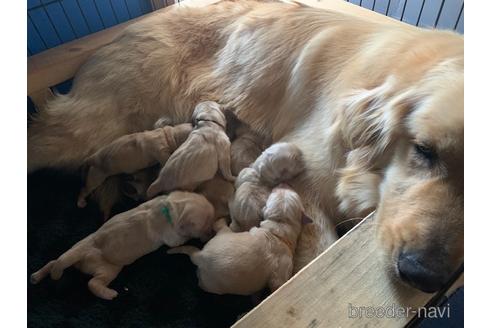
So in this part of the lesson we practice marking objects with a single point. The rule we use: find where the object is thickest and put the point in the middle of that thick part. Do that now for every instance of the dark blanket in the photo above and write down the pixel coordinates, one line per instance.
(158, 290)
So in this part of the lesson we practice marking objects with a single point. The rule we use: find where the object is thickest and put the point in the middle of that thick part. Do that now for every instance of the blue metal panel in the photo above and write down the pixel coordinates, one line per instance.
(460, 27)
(412, 11)
(34, 40)
(60, 22)
(134, 8)
(121, 11)
(368, 4)
(381, 6)
(75, 17)
(450, 14)
(91, 15)
(44, 27)
(106, 12)
(33, 3)
(430, 13)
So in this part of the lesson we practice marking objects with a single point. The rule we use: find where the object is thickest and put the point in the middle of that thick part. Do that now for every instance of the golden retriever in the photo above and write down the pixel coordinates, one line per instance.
(376, 109)
(165, 220)
(244, 263)
(206, 151)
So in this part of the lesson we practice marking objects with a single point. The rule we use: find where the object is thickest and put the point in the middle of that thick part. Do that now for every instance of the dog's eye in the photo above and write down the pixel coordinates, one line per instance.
(425, 152)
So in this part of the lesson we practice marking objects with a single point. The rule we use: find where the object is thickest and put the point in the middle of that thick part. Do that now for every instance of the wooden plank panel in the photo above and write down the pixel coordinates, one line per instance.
(330, 290)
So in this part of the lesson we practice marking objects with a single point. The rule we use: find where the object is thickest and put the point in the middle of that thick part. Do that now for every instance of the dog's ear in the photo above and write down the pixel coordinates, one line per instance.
(371, 122)
(306, 219)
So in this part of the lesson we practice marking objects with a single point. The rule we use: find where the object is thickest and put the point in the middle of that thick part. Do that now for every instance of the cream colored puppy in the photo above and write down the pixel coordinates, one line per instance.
(218, 191)
(198, 159)
(131, 153)
(245, 149)
(246, 262)
(278, 163)
(165, 220)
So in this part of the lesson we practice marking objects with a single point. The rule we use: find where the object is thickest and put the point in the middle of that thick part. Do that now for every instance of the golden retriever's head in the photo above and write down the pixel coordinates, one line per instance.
(406, 160)
(209, 111)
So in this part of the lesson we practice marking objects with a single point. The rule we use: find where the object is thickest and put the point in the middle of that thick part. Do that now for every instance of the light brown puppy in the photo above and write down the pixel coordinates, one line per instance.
(278, 163)
(131, 153)
(244, 263)
(218, 191)
(245, 149)
(166, 220)
(197, 160)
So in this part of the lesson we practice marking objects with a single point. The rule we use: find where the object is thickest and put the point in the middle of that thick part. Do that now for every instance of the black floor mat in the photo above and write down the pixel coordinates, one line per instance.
(158, 290)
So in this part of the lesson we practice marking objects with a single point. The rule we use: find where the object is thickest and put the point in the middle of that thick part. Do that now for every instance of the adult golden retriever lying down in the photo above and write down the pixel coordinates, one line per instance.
(376, 109)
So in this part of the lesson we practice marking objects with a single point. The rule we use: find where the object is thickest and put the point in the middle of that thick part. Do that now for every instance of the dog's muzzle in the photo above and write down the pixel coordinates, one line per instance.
(423, 272)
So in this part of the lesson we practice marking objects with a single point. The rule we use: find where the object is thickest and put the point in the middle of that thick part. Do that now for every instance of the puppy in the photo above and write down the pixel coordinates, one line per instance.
(166, 220)
(278, 163)
(218, 192)
(244, 263)
(245, 149)
(131, 153)
(197, 160)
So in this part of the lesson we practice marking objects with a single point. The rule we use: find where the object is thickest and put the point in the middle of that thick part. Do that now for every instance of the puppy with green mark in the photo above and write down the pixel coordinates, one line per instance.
(165, 220)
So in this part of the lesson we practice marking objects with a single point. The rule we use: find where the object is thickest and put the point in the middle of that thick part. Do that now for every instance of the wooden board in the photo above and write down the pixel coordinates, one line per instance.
(329, 291)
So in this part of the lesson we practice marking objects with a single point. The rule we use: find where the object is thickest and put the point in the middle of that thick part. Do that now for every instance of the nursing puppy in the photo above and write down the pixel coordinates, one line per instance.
(246, 262)
(166, 220)
(278, 163)
(245, 149)
(218, 192)
(197, 160)
(131, 153)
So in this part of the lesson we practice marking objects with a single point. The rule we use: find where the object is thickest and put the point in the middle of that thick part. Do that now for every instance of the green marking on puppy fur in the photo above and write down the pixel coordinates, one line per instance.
(167, 214)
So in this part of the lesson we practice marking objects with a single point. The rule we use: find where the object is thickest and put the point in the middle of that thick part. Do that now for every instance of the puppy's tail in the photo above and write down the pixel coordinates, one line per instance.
(188, 250)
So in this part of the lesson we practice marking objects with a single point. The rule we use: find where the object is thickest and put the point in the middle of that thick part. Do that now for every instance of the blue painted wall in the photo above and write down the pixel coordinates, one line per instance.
(53, 22)
(443, 14)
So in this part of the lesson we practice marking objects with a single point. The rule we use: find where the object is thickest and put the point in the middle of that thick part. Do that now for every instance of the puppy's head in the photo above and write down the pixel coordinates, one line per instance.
(407, 162)
(246, 175)
(192, 214)
(278, 163)
(209, 111)
(284, 206)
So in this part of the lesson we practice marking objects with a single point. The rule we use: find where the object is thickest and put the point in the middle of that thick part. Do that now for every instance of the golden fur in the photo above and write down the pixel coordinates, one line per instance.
(206, 151)
(353, 95)
(131, 153)
(244, 263)
(132, 234)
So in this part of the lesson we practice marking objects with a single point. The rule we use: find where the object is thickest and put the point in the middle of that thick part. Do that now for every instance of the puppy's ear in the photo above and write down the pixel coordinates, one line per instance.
(306, 219)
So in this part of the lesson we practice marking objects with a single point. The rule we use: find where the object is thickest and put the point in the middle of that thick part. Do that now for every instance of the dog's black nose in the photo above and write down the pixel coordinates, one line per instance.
(422, 273)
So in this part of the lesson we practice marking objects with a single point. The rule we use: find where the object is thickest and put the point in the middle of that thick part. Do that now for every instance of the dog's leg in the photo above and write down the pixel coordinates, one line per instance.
(281, 272)
(66, 260)
(98, 284)
(42, 273)
(95, 177)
